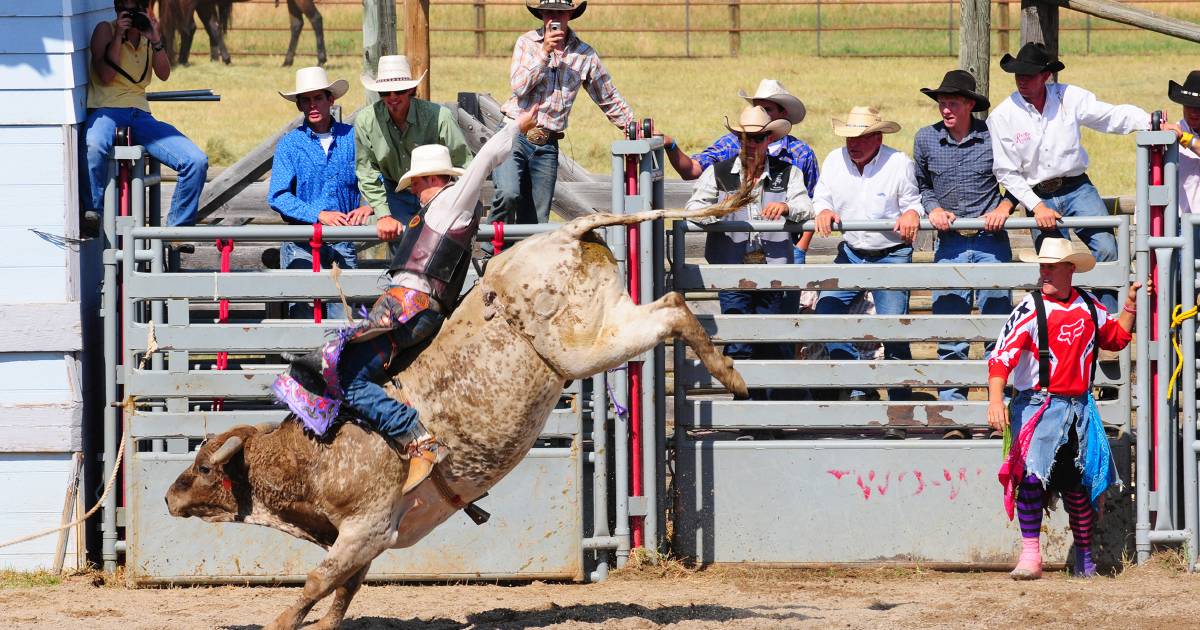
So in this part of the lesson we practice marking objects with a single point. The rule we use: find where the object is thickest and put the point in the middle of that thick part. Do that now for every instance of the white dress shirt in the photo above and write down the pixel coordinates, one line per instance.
(885, 189)
(1030, 147)
(1189, 176)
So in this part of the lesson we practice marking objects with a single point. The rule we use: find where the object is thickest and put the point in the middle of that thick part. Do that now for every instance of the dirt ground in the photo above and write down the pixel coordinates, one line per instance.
(1156, 596)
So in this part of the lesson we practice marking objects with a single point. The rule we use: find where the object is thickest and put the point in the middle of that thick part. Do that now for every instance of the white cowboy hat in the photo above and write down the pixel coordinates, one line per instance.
(755, 119)
(862, 121)
(772, 90)
(1055, 250)
(394, 75)
(429, 159)
(314, 79)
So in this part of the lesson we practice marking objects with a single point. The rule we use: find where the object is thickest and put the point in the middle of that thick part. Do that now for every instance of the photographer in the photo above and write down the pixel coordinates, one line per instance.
(549, 66)
(123, 52)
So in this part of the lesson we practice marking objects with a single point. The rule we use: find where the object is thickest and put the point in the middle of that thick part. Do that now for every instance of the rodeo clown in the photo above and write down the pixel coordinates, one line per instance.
(1055, 441)
(426, 278)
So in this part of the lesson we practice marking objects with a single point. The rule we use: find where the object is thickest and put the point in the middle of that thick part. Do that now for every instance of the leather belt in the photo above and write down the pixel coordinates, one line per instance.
(875, 253)
(1050, 186)
(541, 136)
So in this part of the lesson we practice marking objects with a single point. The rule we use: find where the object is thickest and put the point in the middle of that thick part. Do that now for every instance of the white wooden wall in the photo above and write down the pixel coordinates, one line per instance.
(43, 301)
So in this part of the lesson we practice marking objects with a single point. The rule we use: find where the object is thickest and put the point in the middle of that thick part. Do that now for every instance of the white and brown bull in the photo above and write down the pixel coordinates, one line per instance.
(551, 309)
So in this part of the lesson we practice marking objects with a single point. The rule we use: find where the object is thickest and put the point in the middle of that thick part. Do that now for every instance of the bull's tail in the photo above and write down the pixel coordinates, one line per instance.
(578, 227)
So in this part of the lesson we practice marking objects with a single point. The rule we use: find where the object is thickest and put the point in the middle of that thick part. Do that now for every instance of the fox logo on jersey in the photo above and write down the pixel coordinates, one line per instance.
(1069, 334)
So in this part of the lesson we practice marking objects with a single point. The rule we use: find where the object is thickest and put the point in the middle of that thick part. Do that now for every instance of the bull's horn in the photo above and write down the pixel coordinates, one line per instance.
(578, 227)
(227, 450)
(266, 427)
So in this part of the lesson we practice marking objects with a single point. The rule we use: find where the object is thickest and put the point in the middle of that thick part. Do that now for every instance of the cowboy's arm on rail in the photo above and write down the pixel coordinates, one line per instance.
(450, 136)
(600, 87)
(370, 178)
(800, 206)
(704, 195)
(529, 65)
(280, 195)
(1104, 117)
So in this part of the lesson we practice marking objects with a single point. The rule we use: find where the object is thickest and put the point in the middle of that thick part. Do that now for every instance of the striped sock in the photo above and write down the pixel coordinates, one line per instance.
(1029, 507)
(1081, 515)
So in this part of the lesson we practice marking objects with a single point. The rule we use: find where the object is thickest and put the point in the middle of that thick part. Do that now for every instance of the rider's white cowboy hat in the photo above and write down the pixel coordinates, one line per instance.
(394, 75)
(755, 119)
(862, 121)
(1056, 250)
(772, 90)
(314, 79)
(429, 159)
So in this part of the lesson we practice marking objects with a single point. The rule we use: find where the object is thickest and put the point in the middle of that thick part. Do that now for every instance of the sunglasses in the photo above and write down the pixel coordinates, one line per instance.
(399, 92)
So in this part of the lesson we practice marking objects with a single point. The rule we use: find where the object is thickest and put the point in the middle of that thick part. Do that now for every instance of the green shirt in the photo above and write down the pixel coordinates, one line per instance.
(383, 152)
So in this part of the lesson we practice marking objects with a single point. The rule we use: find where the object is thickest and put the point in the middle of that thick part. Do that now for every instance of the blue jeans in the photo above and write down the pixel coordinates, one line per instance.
(363, 366)
(887, 302)
(525, 183)
(162, 141)
(983, 248)
(293, 255)
(1083, 201)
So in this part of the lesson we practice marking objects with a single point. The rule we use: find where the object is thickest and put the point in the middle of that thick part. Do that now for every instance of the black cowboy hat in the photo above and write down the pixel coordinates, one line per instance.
(960, 83)
(1033, 58)
(1187, 94)
(536, 6)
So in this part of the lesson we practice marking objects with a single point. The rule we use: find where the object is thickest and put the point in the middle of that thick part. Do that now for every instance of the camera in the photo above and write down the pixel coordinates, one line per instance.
(555, 26)
(139, 20)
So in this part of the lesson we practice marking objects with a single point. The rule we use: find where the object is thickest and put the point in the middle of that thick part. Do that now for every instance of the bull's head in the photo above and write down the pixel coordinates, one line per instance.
(206, 488)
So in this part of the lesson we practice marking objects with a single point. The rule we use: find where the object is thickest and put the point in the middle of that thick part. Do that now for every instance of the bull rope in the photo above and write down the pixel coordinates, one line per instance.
(112, 479)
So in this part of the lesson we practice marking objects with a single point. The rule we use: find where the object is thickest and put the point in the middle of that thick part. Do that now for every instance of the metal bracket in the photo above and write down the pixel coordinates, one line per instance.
(637, 506)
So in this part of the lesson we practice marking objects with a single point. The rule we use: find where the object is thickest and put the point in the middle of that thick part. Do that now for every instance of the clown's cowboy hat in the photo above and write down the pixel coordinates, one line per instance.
(1056, 250)
(394, 75)
(314, 79)
(429, 159)
(772, 90)
(537, 6)
(755, 119)
(862, 121)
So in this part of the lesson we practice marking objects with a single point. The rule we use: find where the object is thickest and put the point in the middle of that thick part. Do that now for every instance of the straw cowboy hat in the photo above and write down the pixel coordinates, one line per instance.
(429, 159)
(1187, 94)
(772, 90)
(536, 6)
(863, 121)
(394, 75)
(959, 83)
(314, 79)
(1055, 250)
(755, 119)
(1033, 58)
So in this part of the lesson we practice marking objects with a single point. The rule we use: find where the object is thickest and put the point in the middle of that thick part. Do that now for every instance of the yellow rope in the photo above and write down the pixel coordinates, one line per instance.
(1178, 316)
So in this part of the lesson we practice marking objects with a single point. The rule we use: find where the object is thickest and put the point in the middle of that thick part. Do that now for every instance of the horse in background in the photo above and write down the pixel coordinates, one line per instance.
(176, 16)
(297, 9)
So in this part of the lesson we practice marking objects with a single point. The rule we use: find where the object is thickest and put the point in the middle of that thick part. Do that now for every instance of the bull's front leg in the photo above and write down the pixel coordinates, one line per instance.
(342, 596)
(358, 543)
(630, 330)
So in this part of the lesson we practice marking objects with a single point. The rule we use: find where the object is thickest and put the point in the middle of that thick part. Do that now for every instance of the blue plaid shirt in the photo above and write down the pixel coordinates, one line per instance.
(956, 176)
(306, 181)
(791, 149)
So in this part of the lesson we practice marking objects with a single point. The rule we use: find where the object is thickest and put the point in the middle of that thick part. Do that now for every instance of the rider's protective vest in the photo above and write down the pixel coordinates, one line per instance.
(441, 257)
(732, 247)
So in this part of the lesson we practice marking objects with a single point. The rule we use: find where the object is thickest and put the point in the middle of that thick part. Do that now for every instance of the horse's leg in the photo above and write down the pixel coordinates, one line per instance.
(297, 24)
(187, 30)
(314, 18)
(631, 330)
(341, 601)
(357, 545)
(208, 18)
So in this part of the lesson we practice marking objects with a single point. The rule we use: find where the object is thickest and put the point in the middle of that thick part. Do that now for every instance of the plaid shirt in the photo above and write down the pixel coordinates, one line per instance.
(791, 149)
(553, 81)
(956, 176)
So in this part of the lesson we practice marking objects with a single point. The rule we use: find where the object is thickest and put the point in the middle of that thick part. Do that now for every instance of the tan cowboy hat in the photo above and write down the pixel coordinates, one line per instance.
(1055, 250)
(755, 119)
(394, 75)
(772, 90)
(429, 159)
(862, 121)
(314, 79)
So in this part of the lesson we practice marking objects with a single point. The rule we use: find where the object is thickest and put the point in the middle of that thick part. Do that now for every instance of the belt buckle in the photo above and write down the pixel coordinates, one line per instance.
(969, 233)
(755, 257)
(1051, 185)
(538, 136)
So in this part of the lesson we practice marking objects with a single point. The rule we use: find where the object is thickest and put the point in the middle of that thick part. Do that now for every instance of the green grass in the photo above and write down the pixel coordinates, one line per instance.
(28, 579)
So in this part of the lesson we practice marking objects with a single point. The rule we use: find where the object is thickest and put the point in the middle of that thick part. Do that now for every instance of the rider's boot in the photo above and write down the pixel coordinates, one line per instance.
(423, 453)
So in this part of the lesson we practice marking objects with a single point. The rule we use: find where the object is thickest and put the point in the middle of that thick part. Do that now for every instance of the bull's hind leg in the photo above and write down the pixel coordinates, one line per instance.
(630, 330)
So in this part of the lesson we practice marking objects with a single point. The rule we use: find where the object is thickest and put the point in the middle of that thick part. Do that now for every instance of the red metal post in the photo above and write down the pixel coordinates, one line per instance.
(315, 243)
(497, 237)
(1156, 229)
(633, 270)
(225, 247)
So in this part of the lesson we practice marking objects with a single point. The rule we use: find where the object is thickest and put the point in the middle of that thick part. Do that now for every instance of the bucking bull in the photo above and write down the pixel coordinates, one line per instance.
(551, 309)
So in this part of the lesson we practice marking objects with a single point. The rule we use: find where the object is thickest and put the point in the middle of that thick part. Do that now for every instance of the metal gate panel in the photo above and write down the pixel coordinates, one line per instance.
(537, 509)
(850, 501)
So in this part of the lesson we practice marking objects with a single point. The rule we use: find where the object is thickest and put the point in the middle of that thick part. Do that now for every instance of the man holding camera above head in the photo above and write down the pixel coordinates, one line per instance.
(124, 55)
(549, 66)
(385, 135)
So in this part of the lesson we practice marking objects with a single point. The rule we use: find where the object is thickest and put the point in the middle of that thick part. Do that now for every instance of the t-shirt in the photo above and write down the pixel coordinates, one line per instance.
(1071, 334)
(326, 140)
